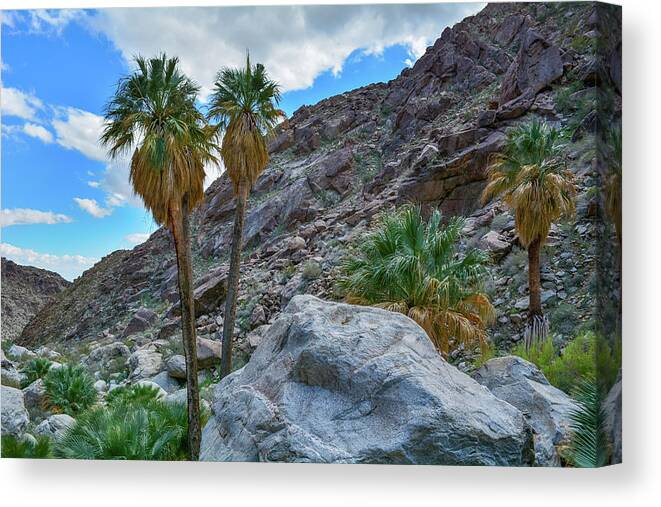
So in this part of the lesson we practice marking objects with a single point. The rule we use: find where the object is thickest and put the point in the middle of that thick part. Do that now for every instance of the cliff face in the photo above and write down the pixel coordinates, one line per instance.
(25, 291)
(423, 137)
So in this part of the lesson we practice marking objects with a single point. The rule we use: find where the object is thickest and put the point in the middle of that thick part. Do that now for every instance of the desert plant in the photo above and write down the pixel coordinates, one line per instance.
(13, 447)
(244, 103)
(588, 447)
(153, 116)
(532, 178)
(135, 394)
(69, 389)
(35, 369)
(154, 431)
(406, 265)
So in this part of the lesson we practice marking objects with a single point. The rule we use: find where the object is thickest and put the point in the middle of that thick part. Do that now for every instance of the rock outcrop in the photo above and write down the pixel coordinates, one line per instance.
(25, 291)
(546, 408)
(15, 416)
(337, 383)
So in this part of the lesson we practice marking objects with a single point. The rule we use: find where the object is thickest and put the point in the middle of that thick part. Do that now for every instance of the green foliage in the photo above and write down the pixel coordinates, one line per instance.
(311, 270)
(153, 431)
(588, 446)
(328, 198)
(487, 353)
(13, 447)
(563, 319)
(135, 394)
(69, 389)
(35, 369)
(413, 267)
(586, 356)
(563, 100)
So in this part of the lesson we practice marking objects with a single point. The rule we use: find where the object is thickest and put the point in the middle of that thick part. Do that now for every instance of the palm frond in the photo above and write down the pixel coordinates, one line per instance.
(589, 445)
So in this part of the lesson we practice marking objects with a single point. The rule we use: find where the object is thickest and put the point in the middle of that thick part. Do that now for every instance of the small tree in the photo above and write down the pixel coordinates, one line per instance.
(532, 178)
(408, 266)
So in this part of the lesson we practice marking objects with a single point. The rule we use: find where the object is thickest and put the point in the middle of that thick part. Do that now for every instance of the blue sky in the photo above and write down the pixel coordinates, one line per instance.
(64, 204)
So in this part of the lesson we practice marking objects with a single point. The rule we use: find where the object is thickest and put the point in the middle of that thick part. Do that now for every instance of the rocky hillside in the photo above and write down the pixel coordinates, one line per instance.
(423, 137)
(25, 291)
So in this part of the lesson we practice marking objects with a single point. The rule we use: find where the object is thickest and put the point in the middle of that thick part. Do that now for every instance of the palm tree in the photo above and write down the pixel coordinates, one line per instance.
(408, 266)
(154, 116)
(244, 104)
(532, 178)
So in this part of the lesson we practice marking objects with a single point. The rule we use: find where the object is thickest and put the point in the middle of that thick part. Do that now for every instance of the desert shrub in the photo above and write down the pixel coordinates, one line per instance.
(69, 389)
(412, 266)
(35, 369)
(135, 394)
(563, 319)
(587, 356)
(515, 262)
(311, 270)
(154, 431)
(588, 447)
(13, 447)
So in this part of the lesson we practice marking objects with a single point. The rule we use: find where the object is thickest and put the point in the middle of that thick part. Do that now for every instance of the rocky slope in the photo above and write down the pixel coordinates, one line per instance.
(25, 291)
(423, 137)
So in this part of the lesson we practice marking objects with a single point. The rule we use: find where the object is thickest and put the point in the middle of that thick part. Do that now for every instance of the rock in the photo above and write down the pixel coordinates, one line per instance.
(145, 363)
(101, 386)
(537, 64)
(546, 408)
(612, 407)
(258, 316)
(255, 336)
(486, 118)
(102, 356)
(20, 353)
(210, 294)
(34, 396)
(208, 353)
(142, 320)
(166, 381)
(337, 383)
(294, 243)
(44, 351)
(161, 393)
(55, 426)
(495, 244)
(179, 396)
(522, 304)
(10, 376)
(15, 416)
(176, 366)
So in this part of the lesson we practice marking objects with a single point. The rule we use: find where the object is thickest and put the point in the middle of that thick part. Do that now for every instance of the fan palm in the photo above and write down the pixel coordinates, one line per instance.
(244, 104)
(154, 116)
(532, 178)
(589, 446)
(412, 267)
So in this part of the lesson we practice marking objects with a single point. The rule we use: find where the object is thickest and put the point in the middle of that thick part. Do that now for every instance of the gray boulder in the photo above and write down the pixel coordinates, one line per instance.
(336, 383)
(33, 397)
(144, 363)
(176, 366)
(103, 356)
(10, 376)
(613, 411)
(55, 426)
(14, 417)
(20, 353)
(165, 382)
(142, 320)
(545, 407)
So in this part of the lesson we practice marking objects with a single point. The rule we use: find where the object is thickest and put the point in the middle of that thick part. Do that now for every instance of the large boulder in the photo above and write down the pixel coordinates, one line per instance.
(613, 411)
(142, 320)
(144, 363)
(102, 357)
(55, 426)
(10, 376)
(545, 407)
(336, 383)
(14, 415)
(34, 397)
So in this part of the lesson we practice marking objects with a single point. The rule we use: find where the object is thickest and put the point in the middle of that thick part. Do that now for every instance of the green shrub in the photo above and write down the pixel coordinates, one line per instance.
(69, 389)
(311, 270)
(563, 319)
(586, 356)
(35, 369)
(155, 431)
(136, 394)
(24, 448)
(588, 447)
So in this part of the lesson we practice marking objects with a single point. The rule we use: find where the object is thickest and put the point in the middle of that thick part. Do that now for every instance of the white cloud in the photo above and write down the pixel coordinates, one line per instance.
(69, 266)
(92, 207)
(296, 43)
(93, 184)
(137, 238)
(21, 216)
(79, 130)
(34, 130)
(17, 103)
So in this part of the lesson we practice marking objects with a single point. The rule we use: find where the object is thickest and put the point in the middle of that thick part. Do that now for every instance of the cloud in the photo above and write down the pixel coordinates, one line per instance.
(69, 266)
(20, 104)
(79, 130)
(296, 43)
(34, 130)
(137, 238)
(21, 216)
(93, 184)
(92, 207)
(41, 21)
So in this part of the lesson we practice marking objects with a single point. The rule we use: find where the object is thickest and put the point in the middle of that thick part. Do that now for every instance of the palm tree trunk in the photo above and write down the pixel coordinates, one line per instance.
(537, 328)
(181, 235)
(233, 279)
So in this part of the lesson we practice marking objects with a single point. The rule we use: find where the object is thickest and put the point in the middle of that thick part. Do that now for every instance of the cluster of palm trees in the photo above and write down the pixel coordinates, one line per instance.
(154, 117)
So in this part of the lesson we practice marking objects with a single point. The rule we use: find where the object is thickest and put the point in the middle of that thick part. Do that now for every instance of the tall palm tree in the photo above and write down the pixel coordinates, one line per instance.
(531, 176)
(244, 104)
(408, 266)
(154, 116)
